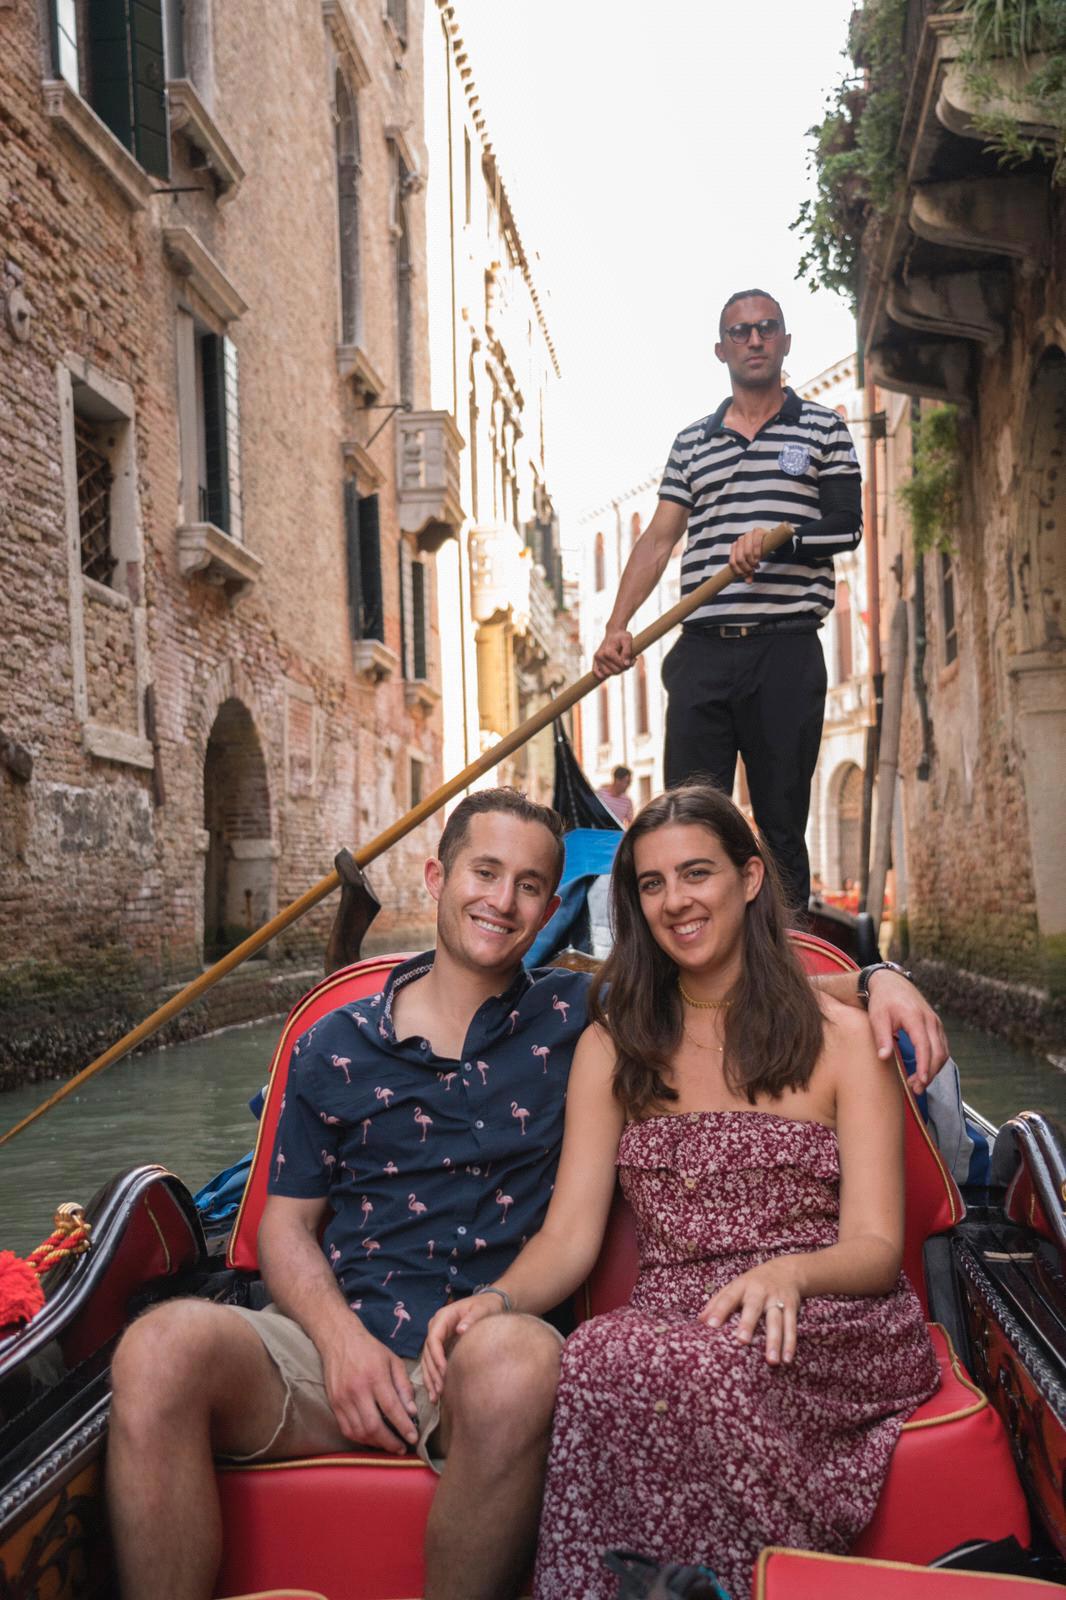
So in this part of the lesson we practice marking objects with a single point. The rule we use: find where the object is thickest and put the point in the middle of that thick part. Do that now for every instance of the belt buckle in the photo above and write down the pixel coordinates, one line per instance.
(734, 630)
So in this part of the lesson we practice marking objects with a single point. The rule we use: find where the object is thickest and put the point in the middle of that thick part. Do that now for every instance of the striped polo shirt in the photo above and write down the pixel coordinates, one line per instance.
(730, 485)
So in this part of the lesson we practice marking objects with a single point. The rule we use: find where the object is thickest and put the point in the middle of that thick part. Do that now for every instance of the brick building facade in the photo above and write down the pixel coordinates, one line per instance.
(217, 536)
(507, 634)
(962, 303)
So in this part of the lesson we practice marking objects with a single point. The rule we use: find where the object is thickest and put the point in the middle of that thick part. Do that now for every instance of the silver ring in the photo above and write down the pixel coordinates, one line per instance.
(780, 1304)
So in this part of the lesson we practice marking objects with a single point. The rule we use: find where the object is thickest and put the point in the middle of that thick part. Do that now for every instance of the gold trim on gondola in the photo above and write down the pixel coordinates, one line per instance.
(877, 1561)
(962, 1377)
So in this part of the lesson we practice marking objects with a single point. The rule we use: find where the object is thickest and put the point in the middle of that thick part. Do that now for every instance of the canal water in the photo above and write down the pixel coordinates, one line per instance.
(187, 1108)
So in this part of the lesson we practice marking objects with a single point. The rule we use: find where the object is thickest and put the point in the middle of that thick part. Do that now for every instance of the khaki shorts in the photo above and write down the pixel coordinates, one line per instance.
(305, 1410)
(313, 1428)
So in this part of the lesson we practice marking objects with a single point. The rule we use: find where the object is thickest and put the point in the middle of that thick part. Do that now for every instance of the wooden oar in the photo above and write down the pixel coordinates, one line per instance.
(384, 841)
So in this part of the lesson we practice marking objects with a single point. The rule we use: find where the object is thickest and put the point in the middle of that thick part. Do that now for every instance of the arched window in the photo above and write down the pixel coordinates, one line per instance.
(849, 827)
(404, 267)
(641, 691)
(600, 559)
(348, 170)
(845, 658)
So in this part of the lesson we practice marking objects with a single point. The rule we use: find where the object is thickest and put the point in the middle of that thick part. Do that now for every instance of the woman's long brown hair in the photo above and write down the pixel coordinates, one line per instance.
(773, 1028)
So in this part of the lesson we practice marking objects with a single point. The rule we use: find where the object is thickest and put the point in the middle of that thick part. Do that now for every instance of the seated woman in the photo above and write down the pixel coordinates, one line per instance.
(754, 1387)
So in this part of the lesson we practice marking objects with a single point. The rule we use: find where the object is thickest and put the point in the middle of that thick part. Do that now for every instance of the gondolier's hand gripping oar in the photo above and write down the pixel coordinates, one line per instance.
(507, 746)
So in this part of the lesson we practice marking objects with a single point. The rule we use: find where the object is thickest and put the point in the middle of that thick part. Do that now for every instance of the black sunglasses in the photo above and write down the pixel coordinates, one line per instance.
(741, 332)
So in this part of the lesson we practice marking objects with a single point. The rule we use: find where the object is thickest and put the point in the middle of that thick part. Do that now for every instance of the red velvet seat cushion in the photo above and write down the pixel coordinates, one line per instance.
(951, 1477)
(353, 1525)
(349, 1525)
(801, 1575)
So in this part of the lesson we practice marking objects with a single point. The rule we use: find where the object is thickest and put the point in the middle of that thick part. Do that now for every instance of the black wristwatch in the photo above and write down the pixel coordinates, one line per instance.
(867, 973)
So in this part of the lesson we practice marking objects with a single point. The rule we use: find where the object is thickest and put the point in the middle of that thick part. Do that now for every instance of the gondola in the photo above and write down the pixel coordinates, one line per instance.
(983, 1461)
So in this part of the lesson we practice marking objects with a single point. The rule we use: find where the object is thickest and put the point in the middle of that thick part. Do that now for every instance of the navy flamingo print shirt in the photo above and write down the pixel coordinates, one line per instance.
(437, 1171)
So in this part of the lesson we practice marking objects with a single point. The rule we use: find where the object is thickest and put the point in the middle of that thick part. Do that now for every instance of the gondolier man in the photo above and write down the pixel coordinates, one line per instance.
(747, 676)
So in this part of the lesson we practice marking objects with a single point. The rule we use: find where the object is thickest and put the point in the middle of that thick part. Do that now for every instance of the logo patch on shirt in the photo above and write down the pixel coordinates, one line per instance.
(794, 459)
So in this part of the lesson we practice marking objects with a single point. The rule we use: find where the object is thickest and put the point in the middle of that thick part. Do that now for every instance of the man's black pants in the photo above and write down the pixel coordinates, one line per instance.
(762, 697)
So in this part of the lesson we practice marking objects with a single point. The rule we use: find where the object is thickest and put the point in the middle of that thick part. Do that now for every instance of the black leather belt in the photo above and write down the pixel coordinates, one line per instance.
(754, 630)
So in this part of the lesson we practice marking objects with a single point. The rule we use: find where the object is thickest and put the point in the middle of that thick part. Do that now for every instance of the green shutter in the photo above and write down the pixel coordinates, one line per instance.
(109, 68)
(355, 573)
(370, 568)
(127, 78)
(216, 455)
(418, 617)
(151, 144)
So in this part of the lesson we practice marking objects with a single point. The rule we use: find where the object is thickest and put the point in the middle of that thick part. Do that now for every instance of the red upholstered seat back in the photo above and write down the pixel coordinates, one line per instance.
(349, 983)
(933, 1202)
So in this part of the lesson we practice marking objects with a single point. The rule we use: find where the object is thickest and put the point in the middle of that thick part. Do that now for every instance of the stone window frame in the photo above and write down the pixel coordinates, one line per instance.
(110, 400)
(417, 760)
(207, 303)
(346, 57)
(67, 106)
(947, 594)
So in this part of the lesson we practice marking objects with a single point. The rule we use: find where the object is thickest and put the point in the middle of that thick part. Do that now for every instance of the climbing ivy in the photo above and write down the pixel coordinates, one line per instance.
(1032, 32)
(932, 495)
(854, 161)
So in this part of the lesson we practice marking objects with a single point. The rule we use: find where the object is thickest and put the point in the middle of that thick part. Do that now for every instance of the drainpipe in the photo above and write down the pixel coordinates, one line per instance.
(921, 639)
(873, 604)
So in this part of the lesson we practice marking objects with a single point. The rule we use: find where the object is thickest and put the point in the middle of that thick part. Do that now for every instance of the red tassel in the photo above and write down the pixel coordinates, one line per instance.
(21, 1295)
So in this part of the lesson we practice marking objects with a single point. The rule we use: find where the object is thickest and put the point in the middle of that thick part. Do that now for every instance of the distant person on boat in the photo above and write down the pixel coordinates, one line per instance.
(747, 674)
(614, 795)
(753, 1390)
(421, 1129)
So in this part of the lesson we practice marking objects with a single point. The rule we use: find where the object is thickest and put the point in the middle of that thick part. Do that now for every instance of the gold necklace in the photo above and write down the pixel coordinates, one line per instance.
(699, 1042)
(701, 1005)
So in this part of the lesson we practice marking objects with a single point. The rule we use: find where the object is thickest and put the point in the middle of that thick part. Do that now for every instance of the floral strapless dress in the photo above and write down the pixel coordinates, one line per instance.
(673, 1439)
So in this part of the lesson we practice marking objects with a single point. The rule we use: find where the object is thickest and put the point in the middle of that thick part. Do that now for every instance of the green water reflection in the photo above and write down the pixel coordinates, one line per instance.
(187, 1107)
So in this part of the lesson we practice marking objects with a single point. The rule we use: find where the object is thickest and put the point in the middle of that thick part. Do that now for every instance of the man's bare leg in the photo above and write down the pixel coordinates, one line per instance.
(189, 1378)
(499, 1395)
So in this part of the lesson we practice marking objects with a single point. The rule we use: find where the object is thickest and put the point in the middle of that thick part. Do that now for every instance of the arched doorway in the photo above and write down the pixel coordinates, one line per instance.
(849, 826)
(239, 869)
(1038, 666)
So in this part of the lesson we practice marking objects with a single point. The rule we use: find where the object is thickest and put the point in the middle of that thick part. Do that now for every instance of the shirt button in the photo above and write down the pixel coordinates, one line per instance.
(423, 1044)
(479, 1124)
(460, 1230)
(659, 1407)
(693, 1116)
(466, 1066)
(453, 1271)
(690, 1183)
(476, 1171)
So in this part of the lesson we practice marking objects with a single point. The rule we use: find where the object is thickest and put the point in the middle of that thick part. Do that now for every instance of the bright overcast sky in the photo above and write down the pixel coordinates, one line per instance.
(655, 154)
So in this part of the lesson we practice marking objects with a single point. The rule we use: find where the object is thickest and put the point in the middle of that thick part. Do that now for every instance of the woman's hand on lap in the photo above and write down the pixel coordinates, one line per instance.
(445, 1326)
(768, 1293)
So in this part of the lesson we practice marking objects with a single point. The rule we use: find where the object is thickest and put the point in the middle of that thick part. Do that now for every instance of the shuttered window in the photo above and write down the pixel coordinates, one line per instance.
(413, 607)
(220, 483)
(122, 74)
(363, 531)
(418, 618)
(348, 172)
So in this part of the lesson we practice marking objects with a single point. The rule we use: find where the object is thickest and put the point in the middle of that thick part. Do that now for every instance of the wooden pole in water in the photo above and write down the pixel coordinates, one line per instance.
(384, 841)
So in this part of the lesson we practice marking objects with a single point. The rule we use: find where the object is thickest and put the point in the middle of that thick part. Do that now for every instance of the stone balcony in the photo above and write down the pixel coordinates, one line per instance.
(427, 476)
(500, 570)
(848, 703)
(934, 276)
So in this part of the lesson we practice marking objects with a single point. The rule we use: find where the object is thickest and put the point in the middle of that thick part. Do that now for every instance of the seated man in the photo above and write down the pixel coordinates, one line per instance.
(426, 1123)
